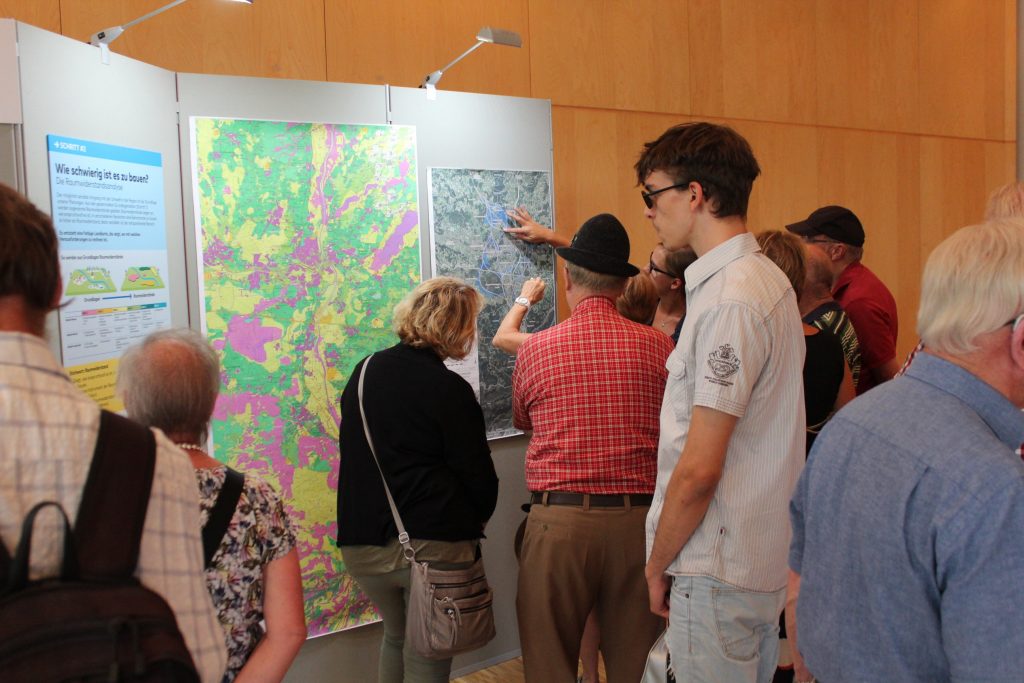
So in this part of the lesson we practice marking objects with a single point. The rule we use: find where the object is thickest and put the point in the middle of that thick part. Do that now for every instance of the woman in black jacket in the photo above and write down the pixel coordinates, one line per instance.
(428, 429)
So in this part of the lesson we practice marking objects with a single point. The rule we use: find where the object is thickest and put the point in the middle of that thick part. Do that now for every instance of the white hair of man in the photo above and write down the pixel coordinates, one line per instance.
(170, 381)
(973, 285)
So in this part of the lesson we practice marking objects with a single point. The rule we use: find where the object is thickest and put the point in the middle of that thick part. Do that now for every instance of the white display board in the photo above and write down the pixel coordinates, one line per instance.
(70, 94)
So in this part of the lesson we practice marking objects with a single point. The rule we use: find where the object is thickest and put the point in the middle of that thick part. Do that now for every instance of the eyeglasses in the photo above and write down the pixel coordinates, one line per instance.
(819, 240)
(655, 269)
(648, 195)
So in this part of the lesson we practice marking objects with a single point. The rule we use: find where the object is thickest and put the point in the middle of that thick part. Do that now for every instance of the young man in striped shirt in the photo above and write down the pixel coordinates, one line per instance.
(732, 420)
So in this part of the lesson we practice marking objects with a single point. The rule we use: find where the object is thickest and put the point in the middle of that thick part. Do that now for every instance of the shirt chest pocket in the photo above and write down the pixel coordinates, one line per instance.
(676, 392)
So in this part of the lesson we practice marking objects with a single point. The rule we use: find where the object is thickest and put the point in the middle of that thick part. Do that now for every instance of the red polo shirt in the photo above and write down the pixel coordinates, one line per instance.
(590, 388)
(872, 310)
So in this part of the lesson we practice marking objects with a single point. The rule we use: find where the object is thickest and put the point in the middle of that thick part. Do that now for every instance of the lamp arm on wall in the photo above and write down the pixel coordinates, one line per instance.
(487, 34)
(109, 35)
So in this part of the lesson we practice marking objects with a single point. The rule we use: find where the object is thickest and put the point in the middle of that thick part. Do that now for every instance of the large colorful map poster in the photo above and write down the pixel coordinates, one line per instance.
(308, 236)
(468, 216)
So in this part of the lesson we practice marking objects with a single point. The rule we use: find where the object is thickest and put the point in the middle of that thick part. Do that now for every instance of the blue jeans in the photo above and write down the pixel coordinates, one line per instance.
(718, 633)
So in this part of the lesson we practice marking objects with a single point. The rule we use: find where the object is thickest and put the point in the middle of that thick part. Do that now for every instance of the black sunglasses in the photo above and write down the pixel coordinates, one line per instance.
(647, 195)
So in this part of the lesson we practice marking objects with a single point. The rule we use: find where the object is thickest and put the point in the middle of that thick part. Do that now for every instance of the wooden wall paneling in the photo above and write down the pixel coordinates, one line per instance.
(867, 64)
(611, 54)
(268, 39)
(967, 71)
(595, 151)
(753, 60)
(787, 188)
(400, 42)
(957, 177)
(42, 13)
(877, 176)
(594, 155)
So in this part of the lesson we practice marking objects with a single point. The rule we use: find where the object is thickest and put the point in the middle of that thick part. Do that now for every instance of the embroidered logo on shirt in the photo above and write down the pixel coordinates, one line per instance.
(724, 362)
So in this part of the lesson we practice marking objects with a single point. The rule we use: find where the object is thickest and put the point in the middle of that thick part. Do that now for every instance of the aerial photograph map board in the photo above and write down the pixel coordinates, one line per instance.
(468, 216)
(308, 235)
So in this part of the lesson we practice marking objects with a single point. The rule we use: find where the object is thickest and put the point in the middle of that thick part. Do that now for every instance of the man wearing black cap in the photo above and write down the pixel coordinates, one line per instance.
(589, 388)
(732, 423)
(838, 234)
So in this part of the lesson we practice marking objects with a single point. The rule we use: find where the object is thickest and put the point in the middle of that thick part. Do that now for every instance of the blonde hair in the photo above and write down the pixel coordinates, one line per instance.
(1006, 202)
(787, 252)
(439, 314)
(973, 284)
(639, 299)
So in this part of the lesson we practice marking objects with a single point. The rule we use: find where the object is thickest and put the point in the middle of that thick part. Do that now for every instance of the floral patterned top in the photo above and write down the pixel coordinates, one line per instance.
(260, 532)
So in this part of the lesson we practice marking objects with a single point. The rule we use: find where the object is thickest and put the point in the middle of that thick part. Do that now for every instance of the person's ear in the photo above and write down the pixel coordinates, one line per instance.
(677, 283)
(696, 192)
(1017, 345)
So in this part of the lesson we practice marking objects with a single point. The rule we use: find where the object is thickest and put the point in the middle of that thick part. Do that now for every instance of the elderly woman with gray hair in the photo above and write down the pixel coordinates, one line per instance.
(171, 381)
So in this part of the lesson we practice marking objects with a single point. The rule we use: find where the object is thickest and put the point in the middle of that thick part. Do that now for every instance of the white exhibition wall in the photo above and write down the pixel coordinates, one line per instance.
(66, 90)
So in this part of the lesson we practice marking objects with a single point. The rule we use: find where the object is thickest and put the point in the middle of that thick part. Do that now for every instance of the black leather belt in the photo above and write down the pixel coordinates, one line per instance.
(595, 500)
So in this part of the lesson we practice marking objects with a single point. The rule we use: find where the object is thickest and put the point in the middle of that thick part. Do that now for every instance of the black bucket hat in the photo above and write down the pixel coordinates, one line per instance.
(601, 245)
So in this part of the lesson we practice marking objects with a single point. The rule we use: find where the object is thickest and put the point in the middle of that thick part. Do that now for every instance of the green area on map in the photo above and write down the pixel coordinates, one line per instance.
(90, 281)
(309, 237)
(141, 278)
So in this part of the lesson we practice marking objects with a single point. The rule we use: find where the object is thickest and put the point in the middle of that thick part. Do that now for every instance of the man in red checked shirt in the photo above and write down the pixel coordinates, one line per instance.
(590, 388)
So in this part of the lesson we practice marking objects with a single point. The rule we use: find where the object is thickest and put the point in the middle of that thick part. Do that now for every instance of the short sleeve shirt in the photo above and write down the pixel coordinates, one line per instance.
(741, 352)
(259, 533)
(590, 388)
(872, 310)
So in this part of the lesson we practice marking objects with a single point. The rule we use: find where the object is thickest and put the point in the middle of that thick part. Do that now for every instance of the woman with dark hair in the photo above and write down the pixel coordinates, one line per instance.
(666, 269)
(428, 431)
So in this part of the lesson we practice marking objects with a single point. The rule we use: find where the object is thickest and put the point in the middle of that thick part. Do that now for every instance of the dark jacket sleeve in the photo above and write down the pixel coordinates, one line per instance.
(465, 448)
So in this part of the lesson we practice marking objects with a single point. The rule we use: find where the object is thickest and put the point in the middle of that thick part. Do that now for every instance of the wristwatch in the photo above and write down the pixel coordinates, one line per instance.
(522, 301)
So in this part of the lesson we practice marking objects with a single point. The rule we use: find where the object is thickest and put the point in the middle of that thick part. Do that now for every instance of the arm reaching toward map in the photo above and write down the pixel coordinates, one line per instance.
(509, 338)
(533, 232)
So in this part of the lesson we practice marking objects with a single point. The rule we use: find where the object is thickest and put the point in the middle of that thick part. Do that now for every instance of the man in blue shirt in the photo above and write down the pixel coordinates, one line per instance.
(908, 521)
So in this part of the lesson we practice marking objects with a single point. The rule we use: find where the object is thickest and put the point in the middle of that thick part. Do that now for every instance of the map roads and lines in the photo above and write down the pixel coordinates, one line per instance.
(468, 217)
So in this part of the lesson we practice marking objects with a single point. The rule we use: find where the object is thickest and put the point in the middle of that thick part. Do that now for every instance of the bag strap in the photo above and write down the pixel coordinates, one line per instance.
(221, 514)
(403, 535)
(16, 573)
(112, 514)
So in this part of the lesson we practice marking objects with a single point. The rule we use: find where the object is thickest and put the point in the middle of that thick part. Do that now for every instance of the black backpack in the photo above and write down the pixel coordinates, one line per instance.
(94, 622)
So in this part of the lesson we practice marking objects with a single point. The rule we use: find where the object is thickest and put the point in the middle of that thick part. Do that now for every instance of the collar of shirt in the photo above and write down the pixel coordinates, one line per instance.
(847, 276)
(593, 303)
(28, 351)
(1004, 419)
(719, 257)
(426, 353)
